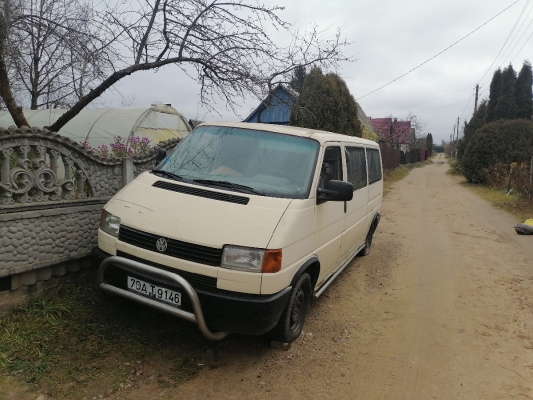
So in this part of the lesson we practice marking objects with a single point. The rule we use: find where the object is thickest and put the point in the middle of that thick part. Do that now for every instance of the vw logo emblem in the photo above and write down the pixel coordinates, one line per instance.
(161, 244)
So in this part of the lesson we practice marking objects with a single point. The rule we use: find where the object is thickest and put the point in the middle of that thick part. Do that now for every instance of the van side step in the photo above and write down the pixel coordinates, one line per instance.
(336, 274)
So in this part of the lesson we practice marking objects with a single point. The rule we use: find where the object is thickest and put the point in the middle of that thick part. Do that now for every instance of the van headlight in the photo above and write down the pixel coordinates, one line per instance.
(109, 223)
(251, 260)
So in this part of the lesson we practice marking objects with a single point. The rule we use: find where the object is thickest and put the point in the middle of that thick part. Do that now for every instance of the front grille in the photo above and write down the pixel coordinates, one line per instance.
(197, 281)
(175, 248)
(230, 198)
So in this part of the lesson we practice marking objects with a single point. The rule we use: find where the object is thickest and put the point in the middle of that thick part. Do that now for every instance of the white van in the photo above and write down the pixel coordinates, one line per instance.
(241, 224)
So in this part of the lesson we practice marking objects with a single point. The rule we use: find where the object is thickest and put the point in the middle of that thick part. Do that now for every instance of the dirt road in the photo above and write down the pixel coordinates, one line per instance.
(441, 309)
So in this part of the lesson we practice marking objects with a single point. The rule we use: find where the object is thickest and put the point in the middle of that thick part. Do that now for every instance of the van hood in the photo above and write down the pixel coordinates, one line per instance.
(195, 219)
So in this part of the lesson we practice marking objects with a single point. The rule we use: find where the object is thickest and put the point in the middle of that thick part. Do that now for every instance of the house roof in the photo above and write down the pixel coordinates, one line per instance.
(389, 128)
(278, 105)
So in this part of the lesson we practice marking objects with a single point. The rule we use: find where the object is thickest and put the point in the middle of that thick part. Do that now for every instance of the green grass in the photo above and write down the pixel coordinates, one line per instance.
(74, 337)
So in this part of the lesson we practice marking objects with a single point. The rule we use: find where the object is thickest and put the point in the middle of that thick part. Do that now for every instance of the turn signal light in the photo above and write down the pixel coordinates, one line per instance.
(271, 261)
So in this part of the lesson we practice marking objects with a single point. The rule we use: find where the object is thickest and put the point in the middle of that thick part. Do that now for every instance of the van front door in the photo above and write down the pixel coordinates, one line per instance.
(329, 216)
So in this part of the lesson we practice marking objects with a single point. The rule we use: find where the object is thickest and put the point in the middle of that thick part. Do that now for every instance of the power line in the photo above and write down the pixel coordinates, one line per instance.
(527, 40)
(516, 44)
(427, 101)
(467, 104)
(506, 40)
(507, 52)
(436, 108)
(438, 54)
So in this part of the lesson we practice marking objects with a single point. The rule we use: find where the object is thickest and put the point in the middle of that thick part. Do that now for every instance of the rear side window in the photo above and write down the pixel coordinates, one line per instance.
(356, 165)
(331, 166)
(374, 165)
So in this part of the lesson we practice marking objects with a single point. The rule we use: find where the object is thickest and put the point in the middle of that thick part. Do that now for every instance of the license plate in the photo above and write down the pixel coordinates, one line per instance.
(153, 291)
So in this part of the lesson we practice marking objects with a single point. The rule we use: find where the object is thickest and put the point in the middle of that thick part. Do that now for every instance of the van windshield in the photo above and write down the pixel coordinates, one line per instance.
(246, 160)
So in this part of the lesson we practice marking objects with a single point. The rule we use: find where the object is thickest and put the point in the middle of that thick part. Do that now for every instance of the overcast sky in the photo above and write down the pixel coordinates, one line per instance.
(390, 37)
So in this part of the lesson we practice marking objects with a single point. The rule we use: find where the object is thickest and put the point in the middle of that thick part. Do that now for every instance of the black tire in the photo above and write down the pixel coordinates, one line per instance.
(292, 319)
(368, 241)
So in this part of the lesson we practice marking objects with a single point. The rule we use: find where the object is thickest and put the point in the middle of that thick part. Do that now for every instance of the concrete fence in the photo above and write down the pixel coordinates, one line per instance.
(51, 193)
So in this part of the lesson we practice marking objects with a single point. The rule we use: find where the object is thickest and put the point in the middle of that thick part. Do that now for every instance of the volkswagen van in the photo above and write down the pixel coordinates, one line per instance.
(241, 224)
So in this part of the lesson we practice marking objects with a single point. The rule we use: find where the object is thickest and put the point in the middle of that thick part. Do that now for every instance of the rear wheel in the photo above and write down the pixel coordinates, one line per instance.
(368, 241)
(292, 319)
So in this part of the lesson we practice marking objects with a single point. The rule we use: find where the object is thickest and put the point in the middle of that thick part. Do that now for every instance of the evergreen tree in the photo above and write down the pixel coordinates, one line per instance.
(325, 103)
(503, 141)
(506, 103)
(429, 143)
(298, 78)
(495, 93)
(477, 121)
(524, 95)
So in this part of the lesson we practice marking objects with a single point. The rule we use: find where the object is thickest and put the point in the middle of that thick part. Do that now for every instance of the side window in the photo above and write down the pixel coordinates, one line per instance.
(331, 166)
(374, 165)
(356, 166)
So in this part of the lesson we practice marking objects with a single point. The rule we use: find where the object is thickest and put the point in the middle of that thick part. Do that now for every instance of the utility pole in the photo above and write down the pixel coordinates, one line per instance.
(477, 92)
(457, 129)
(452, 142)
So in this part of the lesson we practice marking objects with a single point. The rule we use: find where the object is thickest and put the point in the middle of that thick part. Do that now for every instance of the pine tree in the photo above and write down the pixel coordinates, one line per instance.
(506, 107)
(524, 95)
(495, 93)
(298, 78)
(325, 103)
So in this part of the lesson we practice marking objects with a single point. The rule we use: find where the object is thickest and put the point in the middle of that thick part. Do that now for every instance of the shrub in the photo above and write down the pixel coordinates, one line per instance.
(503, 141)
(498, 177)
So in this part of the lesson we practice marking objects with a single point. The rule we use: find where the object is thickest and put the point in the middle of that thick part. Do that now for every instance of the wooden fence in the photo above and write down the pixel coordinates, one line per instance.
(413, 156)
(389, 156)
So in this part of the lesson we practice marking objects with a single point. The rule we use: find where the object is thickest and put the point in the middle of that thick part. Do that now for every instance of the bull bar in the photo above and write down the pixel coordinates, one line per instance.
(197, 316)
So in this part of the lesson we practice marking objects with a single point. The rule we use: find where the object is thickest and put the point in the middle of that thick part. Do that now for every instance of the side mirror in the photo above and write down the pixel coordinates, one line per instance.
(160, 156)
(335, 191)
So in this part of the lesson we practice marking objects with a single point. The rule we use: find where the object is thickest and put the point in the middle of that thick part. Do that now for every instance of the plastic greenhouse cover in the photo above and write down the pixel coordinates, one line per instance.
(99, 126)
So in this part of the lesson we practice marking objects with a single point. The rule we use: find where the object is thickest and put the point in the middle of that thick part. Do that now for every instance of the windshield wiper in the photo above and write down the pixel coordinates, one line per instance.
(169, 175)
(228, 185)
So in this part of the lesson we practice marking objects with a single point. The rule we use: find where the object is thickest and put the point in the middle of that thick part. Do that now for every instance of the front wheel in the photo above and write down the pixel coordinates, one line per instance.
(292, 319)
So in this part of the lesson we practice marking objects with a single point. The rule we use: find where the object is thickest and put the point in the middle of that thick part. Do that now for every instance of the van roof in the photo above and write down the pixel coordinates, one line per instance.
(320, 136)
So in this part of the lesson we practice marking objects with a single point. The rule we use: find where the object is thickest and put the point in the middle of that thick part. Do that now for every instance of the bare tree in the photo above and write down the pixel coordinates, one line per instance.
(418, 125)
(5, 87)
(227, 43)
(58, 48)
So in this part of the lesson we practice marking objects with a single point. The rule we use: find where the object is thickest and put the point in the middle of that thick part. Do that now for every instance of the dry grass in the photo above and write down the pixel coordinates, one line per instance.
(515, 204)
(519, 206)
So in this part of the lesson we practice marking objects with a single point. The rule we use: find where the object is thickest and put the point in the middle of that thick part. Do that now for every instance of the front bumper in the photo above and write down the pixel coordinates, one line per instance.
(211, 308)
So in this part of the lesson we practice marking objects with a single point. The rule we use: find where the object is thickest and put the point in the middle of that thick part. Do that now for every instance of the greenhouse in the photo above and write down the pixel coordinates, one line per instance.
(99, 126)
